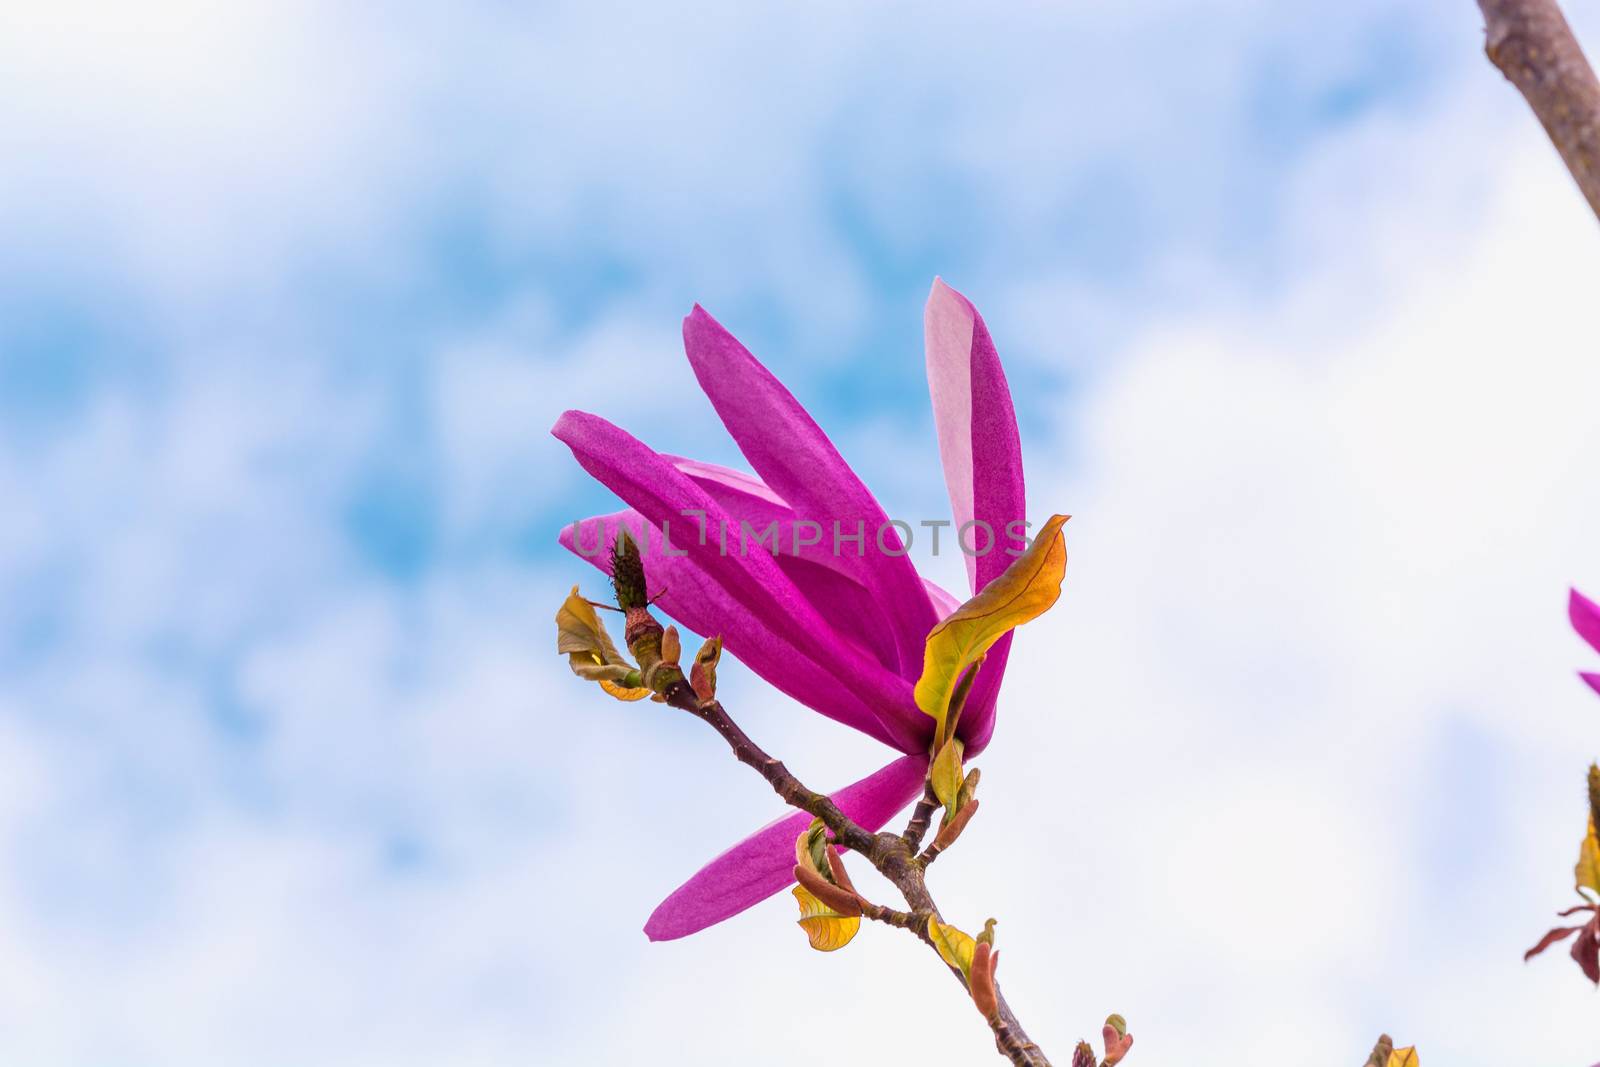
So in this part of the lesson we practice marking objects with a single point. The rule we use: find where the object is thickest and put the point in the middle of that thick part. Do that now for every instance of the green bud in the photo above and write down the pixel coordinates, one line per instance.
(627, 573)
(1118, 1023)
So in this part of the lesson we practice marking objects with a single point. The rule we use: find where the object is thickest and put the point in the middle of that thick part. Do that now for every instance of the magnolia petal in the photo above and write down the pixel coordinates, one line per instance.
(955, 947)
(794, 457)
(1592, 678)
(1585, 616)
(806, 555)
(763, 863)
(1027, 589)
(661, 493)
(827, 929)
(977, 428)
(684, 591)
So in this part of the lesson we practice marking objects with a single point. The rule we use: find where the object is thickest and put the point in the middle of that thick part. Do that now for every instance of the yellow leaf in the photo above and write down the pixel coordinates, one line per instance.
(946, 774)
(955, 947)
(1403, 1057)
(1024, 591)
(582, 638)
(1587, 872)
(827, 929)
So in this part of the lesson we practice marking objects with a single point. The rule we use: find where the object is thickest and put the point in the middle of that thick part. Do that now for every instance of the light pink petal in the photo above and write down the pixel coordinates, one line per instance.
(977, 428)
(796, 459)
(1585, 616)
(944, 604)
(689, 596)
(762, 864)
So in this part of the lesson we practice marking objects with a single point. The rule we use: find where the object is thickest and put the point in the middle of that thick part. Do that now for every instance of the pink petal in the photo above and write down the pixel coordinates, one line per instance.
(1585, 616)
(687, 594)
(1592, 679)
(816, 569)
(662, 494)
(795, 458)
(977, 428)
(761, 864)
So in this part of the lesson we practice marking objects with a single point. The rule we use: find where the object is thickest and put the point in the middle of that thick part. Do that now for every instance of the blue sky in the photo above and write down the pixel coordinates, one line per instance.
(290, 295)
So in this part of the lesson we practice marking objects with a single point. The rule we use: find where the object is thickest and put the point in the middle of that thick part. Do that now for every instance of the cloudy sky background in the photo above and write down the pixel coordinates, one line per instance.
(1299, 310)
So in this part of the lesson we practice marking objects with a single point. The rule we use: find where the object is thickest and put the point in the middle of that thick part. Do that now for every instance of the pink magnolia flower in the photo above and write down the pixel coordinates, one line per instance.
(838, 625)
(1585, 616)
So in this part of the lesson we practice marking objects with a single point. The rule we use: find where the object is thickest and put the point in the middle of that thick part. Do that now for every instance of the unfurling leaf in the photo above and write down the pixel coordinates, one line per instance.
(1117, 1040)
(986, 937)
(945, 775)
(1587, 871)
(836, 897)
(703, 674)
(951, 830)
(810, 848)
(955, 947)
(827, 929)
(1024, 591)
(582, 638)
(1403, 1057)
(841, 877)
(981, 980)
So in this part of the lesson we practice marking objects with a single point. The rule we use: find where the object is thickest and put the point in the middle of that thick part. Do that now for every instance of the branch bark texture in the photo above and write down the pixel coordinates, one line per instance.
(1532, 45)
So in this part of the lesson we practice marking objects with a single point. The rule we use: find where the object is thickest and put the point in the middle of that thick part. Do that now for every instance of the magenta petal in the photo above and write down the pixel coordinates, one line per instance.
(762, 863)
(977, 721)
(650, 484)
(1585, 616)
(977, 426)
(815, 568)
(689, 596)
(1592, 679)
(795, 458)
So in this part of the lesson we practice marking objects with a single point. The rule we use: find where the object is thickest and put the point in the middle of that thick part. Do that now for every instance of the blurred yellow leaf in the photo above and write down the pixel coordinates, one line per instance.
(946, 774)
(955, 947)
(1587, 872)
(1024, 591)
(1403, 1057)
(582, 638)
(827, 929)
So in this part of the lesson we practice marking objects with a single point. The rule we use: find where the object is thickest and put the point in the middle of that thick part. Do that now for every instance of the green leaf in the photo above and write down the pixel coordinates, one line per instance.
(945, 775)
(1026, 590)
(955, 947)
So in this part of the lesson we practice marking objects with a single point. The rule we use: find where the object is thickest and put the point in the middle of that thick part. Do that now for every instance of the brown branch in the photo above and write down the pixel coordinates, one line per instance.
(921, 817)
(890, 853)
(1531, 43)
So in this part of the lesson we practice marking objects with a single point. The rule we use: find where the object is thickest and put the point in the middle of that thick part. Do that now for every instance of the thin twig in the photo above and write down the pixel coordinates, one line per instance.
(1532, 45)
(921, 817)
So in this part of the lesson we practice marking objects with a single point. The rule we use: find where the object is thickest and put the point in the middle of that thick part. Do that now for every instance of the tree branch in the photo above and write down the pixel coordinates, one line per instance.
(891, 854)
(1532, 45)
